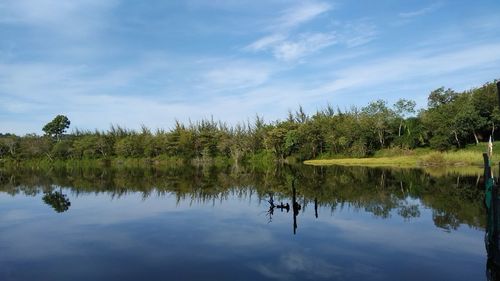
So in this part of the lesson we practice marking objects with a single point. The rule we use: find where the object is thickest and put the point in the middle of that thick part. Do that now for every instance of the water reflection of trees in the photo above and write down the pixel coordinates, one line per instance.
(57, 200)
(454, 200)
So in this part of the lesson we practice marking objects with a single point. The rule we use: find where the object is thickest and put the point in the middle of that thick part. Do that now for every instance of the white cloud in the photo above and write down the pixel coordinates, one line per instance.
(357, 33)
(300, 14)
(266, 42)
(426, 10)
(38, 91)
(286, 47)
(96, 98)
(411, 66)
(306, 44)
(287, 265)
(289, 48)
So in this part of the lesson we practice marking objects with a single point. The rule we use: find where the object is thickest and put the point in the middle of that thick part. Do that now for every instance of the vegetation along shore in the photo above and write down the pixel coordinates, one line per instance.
(449, 131)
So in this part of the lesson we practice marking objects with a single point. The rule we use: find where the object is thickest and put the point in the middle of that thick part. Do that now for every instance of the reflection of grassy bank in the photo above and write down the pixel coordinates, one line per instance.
(90, 163)
(262, 160)
(456, 170)
(405, 161)
(470, 156)
(435, 171)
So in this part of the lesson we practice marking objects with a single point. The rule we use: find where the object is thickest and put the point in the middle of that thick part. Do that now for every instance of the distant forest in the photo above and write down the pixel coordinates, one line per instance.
(451, 120)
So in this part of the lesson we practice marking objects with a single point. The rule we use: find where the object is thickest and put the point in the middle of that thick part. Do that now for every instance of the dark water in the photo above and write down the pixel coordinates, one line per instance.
(209, 224)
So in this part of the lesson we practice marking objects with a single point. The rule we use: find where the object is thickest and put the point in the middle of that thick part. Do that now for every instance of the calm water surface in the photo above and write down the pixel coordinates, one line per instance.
(209, 224)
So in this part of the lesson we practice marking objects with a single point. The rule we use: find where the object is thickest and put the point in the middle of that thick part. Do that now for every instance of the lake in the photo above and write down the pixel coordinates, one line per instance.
(288, 223)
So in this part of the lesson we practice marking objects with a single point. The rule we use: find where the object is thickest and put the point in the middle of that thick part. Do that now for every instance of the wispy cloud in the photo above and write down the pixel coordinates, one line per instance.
(286, 44)
(292, 47)
(286, 47)
(413, 66)
(305, 44)
(420, 12)
(287, 265)
(358, 33)
(266, 42)
(300, 14)
(131, 94)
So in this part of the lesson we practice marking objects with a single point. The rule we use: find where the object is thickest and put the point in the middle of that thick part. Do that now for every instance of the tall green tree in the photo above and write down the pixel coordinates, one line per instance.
(379, 117)
(403, 108)
(275, 141)
(440, 97)
(57, 126)
(467, 120)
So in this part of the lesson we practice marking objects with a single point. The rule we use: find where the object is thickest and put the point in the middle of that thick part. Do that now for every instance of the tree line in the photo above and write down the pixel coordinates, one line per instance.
(451, 120)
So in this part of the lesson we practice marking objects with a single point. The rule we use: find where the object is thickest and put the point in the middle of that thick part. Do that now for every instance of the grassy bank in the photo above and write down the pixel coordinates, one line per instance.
(469, 156)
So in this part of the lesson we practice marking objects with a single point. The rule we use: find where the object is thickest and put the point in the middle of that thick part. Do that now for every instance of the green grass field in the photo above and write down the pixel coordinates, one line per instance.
(422, 157)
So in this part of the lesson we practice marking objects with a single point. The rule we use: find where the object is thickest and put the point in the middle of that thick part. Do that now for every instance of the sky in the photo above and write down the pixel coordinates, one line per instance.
(133, 63)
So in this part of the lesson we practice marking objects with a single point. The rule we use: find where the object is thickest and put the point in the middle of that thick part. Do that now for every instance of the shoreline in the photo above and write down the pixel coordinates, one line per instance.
(433, 159)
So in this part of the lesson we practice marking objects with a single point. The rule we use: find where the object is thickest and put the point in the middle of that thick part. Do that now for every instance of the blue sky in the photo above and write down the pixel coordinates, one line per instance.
(103, 62)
